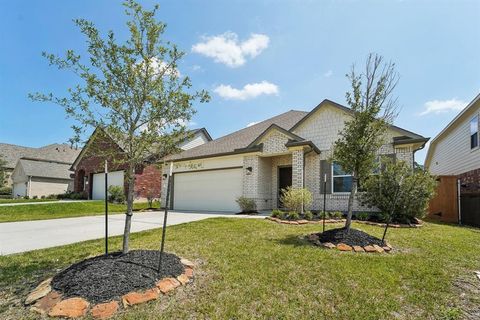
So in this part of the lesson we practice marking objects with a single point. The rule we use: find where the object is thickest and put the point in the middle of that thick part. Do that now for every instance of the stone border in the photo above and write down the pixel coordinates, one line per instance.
(378, 224)
(313, 238)
(47, 301)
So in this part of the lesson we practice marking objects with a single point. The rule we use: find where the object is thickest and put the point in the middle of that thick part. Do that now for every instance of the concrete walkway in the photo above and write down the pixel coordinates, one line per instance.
(24, 236)
(39, 202)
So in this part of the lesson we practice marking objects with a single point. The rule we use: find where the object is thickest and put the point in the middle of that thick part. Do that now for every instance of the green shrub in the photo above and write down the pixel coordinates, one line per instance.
(35, 197)
(5, 190)
(324, 214)
(116, 194)
(247, 205)
(26, 197)
(308, 215)
(295, 199)
(362, 216)
(293, 215)
(400, 192)
(336, 214)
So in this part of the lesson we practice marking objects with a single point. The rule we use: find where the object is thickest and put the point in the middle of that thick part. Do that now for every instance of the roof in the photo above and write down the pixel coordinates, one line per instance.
(242, 138)
(45, 168)
(57, 152)
(449, 127)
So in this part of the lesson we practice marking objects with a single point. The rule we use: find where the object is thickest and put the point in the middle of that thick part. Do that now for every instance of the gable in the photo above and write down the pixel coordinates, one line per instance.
(18, 174)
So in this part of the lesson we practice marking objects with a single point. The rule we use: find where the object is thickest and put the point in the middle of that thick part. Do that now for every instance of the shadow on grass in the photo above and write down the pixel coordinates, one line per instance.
(295, 241)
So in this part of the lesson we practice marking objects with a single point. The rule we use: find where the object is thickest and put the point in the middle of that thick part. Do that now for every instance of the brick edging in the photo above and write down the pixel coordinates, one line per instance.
(378, 224)
(374, 248)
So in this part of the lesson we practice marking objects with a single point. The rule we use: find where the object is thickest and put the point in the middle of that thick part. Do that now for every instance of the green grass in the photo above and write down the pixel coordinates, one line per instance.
(252, 268)
(25, 200)
(62, 210)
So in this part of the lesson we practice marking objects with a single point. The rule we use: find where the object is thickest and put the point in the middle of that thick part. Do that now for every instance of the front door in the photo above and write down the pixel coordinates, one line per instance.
(284, 181)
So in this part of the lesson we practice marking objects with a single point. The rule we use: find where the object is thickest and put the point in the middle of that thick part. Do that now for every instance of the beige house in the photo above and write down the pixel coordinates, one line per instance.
(291, 149)
(36, 178)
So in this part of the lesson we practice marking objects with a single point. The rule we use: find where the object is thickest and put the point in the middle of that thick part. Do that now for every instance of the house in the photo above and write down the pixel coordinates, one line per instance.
(12, 153)
(291, 149)
(27, 180)
(89, 177)
(39, 177)
(454, 156)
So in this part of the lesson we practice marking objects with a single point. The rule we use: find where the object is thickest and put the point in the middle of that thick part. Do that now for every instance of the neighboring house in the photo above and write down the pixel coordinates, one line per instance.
(53, 152)
(38, 177)
(455, 152)
(89, 166)
(291, 149)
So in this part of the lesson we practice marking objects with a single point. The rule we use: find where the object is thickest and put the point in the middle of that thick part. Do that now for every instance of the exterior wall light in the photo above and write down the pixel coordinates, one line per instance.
(249, 170)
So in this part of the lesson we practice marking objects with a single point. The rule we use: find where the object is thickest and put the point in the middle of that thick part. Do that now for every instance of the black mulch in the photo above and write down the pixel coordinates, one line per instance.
(353, 238)
(104, 278)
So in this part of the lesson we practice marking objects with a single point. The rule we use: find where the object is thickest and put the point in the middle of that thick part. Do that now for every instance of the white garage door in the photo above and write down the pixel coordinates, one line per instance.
(115, 178)
(214, 190)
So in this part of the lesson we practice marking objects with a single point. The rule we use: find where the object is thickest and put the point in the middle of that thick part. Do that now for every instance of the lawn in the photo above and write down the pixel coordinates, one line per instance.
(25, 200)
(62, 210)
(252, 268)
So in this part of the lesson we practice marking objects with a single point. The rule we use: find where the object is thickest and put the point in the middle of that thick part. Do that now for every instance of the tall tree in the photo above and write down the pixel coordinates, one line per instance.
(131, 89)
(373, 109)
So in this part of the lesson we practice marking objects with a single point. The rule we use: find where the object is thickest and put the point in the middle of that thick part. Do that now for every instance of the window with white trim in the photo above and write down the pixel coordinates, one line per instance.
(474, 132)
(341, 181)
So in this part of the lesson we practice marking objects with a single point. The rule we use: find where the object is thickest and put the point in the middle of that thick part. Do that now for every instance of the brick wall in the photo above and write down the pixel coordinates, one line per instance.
(470, 181)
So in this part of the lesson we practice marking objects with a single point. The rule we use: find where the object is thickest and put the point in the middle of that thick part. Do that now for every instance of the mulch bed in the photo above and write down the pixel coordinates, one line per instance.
(104, 278)
(353, 238)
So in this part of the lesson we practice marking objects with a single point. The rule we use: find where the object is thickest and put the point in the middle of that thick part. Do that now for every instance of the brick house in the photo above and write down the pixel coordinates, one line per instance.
(89, 171)
(291, 149)
(455, 153)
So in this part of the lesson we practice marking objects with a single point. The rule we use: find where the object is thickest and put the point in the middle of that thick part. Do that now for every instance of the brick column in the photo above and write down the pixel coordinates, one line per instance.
(250, 179)
(297, 169)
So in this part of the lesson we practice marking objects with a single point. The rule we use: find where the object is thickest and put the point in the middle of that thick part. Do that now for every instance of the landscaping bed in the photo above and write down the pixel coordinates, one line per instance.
(353, 240)
(104, 282)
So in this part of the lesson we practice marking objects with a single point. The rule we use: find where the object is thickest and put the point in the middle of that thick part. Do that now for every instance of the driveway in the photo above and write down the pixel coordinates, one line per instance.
(24, 236)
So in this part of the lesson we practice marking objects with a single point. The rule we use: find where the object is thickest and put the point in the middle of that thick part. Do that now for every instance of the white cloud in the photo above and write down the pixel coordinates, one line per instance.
(227, 49)
(160, 68)
(252, 123)
(441, 106)
(328, 74)
(196, 67)
(249, 91)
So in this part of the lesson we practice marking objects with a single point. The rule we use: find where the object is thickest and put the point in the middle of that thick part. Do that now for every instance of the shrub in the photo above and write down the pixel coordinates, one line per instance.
(247, 205)
(324, 214)
(336, 214)
(150, 199)
(26, 197)
(69, 195)
(293, 215)
(400, 192)
(295, 199)
(5, 190)
(116, 194)
(278, 214)
(362, 216)
(308, 215)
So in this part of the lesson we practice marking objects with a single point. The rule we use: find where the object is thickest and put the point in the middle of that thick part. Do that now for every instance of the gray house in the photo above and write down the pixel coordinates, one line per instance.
(291, 149)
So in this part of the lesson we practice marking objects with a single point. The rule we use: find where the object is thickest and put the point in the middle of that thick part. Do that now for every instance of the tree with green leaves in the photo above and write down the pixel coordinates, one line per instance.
(373, 110)
(133, 90)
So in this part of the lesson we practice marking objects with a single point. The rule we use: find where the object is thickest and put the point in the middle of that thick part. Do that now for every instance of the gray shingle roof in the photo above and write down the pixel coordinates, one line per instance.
(45, 168)
(241, 138)
(58, 152)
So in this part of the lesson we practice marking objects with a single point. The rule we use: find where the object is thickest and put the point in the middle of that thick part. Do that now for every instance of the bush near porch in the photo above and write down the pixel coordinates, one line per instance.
(251, 268)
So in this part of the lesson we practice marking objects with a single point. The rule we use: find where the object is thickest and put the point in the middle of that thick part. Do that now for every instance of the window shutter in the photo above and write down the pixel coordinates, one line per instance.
(325, 168)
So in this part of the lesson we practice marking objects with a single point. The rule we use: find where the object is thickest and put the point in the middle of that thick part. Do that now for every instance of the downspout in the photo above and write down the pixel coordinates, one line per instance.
(29, 190)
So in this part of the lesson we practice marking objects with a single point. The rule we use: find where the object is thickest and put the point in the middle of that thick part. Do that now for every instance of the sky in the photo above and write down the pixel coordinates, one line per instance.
(256, 58)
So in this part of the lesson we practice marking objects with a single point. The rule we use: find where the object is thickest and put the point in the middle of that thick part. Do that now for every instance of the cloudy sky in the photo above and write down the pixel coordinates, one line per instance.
(256, 58)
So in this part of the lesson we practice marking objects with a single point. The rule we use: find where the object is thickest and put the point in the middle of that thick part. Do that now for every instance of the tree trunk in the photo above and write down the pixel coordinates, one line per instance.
(353, 192)
(129, 213)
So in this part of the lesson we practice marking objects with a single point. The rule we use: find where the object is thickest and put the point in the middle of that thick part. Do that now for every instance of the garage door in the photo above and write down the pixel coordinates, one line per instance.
(115, 178)
(214, 190)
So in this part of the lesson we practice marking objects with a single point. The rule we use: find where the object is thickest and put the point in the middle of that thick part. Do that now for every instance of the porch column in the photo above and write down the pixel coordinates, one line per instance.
(297, 168)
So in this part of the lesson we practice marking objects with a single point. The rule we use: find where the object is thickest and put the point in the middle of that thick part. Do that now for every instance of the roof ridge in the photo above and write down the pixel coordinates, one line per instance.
(44, 160)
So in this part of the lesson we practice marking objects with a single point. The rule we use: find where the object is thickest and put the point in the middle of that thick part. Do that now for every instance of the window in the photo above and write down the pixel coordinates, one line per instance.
(341, 181)
(474, 132)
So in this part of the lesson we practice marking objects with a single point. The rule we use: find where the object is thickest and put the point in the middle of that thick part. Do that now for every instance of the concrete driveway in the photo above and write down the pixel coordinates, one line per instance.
(24, 236)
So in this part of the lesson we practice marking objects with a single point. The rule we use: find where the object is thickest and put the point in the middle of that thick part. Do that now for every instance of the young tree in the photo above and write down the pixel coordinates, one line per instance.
(132, 90)
(373, 109)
